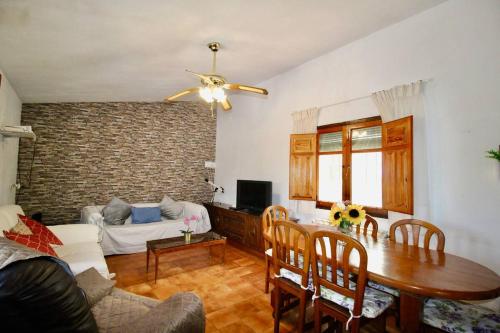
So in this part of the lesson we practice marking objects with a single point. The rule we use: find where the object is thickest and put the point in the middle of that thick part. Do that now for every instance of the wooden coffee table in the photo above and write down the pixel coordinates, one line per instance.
(165, 245)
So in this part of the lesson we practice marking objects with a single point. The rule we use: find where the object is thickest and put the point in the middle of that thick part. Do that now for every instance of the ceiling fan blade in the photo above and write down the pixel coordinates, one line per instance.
(237, 86)
(226, 105)
(201, 76)
(182, 93)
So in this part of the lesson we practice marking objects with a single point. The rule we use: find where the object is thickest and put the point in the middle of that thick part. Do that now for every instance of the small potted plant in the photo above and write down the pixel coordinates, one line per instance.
(494, 154)
(187, 233)
(345, 215)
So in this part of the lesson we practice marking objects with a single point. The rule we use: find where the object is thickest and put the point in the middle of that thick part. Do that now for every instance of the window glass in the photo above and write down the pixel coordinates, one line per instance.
(366, 138)
(330, 142)
(366, 179)
(330, 175)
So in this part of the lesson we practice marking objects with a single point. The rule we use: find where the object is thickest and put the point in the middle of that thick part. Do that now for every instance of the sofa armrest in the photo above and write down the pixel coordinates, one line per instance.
(75, 233)
(199, 211)
(92, 215)
(181, 313)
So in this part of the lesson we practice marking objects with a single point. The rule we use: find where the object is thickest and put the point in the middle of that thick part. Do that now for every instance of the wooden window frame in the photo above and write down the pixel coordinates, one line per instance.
(346, 128)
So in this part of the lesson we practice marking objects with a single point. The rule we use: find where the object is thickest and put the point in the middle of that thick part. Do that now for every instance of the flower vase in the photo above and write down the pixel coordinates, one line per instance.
(345, 227)
(187, 237)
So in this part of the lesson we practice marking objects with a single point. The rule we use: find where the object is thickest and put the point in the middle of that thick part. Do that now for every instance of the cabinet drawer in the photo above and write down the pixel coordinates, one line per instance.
(233, 226)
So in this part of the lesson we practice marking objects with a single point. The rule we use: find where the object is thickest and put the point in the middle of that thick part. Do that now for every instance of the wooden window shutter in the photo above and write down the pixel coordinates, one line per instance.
(397, 165)
(302, 184)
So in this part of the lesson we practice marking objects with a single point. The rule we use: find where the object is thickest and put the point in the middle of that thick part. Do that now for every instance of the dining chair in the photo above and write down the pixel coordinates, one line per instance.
(412, 228)
(370, 226)
(291, 256)
(441, 315)
(271, 214)
(350, 303)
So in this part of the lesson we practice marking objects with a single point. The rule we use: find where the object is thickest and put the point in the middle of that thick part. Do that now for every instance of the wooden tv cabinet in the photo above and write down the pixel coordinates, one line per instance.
(240, 227)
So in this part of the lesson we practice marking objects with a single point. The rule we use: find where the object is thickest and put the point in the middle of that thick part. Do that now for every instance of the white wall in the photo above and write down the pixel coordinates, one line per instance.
(456, 46)
(10, 114)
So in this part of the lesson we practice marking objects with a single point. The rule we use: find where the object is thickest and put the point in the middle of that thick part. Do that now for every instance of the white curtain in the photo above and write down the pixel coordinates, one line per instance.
(399, 102)
(402, 101)
(305, 121)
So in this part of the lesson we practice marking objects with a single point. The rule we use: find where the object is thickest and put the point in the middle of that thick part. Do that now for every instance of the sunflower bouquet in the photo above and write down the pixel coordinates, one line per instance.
(345, 215)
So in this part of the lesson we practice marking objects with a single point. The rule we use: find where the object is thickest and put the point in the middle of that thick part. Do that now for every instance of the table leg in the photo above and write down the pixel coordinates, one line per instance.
(156, 266)
(410, 312)
(147, 260)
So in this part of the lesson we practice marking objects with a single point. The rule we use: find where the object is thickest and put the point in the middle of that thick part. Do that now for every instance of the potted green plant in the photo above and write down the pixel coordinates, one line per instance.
(495, 154)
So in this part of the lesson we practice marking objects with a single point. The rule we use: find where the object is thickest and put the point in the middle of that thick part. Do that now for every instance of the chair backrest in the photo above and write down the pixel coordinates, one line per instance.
(331, 260)
(291, 249)
(271, 214)
(369, 226)
(414, 226)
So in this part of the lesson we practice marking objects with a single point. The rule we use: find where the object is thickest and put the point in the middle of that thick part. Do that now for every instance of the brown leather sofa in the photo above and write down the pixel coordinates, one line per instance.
(38, 293)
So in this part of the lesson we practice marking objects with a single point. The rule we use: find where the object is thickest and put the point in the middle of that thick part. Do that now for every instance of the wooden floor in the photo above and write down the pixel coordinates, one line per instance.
(233, 292)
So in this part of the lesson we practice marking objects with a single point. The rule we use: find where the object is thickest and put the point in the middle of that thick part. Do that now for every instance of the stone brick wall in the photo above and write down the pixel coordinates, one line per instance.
(86, 153)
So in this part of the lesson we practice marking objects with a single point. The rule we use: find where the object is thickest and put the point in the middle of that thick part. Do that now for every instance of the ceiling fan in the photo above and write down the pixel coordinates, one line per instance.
(213, 86)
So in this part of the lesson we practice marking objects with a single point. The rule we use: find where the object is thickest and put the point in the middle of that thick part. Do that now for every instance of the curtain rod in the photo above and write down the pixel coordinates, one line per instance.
(358, 98)
(344, 102)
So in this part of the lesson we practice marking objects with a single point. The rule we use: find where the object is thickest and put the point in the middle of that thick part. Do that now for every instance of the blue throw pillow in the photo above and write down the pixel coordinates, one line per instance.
(145, 214)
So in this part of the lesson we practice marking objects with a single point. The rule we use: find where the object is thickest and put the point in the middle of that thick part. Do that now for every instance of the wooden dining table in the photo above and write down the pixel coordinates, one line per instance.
(420, 273)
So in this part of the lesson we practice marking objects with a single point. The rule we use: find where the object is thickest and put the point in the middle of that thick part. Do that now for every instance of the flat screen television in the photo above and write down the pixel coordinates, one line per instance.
(254, 195)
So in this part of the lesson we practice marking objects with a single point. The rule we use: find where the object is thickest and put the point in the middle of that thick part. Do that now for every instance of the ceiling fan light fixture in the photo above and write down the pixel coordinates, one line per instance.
(206, 94)
(218, 94)
(213, 86)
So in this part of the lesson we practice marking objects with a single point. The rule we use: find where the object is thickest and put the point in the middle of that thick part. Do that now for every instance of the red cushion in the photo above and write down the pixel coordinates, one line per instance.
(32, 241)
(40, 230)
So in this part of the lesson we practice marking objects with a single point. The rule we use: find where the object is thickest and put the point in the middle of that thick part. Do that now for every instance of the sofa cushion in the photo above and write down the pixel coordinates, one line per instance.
(40, 230)
(113, 312)
(181, 313)
(34, 242)
(116, 212)
(94, 285)
(8, 216)
(146, 214)
(21, 228)
(171, 209)
(81, 256)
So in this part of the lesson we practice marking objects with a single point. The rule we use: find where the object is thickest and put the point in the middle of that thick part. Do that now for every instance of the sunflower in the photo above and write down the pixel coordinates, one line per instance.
(355, 214)
(335, 215)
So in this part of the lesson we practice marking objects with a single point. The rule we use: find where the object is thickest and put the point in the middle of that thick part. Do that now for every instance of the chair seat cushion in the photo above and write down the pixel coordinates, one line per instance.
(381, 287)
(454, 317)
(296, 278)
(375, 302)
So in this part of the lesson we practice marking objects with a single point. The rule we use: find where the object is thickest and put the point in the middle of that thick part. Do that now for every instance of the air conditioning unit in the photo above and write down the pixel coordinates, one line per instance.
(17, 131)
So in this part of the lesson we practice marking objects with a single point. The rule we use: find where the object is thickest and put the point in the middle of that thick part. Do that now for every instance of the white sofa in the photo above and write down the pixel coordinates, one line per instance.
(131, 238)
(81, 249)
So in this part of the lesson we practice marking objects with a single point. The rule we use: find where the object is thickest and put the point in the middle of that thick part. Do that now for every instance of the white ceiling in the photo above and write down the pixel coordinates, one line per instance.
(132, 50)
